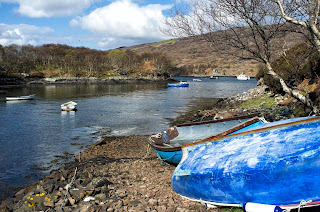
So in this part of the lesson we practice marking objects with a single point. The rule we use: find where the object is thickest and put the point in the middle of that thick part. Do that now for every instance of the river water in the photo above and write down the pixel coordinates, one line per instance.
(36, 135)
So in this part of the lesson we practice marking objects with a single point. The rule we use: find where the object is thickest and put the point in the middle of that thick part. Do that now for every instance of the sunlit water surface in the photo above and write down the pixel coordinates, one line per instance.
(36, 133)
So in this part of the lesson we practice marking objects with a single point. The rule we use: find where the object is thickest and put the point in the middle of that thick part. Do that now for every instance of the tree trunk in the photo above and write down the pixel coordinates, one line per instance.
(302, 98)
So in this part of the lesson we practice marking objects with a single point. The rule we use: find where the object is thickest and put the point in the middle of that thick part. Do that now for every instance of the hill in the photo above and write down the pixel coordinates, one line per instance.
(200, 57)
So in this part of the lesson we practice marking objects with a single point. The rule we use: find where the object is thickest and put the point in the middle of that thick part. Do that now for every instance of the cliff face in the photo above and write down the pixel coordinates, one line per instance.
(207, 58)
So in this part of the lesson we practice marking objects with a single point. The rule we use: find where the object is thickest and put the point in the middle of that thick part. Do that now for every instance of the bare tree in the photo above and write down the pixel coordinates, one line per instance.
(303, 13)
(253, 26)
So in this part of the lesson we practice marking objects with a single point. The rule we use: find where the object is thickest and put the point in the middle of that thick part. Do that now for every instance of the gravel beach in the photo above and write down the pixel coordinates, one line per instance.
(116, 174)
(121, 174)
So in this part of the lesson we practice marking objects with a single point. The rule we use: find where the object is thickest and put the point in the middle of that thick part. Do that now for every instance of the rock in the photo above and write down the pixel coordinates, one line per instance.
(88, 199)
(49, 204)
(121, 182)
(153, 202)
(21, 191)
(71, 201)
(8, 204)
(100, 181)
(126, 202)
(4, 209)
(100, 196)
(134, 203)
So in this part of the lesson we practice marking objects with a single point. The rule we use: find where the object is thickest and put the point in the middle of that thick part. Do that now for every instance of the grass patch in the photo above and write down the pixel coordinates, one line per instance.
(263, 101)
(172, 41)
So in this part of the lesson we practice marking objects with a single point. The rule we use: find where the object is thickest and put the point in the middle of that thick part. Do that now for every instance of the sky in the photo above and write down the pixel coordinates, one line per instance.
(95, 24)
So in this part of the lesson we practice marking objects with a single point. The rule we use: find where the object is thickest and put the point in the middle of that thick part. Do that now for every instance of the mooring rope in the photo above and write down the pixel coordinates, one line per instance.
(303, 203)
(68, 186)
(148, 151)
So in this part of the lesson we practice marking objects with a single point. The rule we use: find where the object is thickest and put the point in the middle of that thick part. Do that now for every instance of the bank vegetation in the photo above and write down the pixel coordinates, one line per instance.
(62, 61)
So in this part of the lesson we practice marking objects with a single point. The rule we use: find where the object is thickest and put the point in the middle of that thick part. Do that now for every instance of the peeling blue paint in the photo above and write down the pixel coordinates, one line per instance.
(277, 166)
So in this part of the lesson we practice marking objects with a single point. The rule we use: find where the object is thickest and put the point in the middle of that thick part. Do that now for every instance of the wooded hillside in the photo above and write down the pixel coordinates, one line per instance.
(56, 60)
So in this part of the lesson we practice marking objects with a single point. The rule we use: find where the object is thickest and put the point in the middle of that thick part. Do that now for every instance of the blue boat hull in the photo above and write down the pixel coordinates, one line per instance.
(174, 157)
(178, 85)
(276, 164)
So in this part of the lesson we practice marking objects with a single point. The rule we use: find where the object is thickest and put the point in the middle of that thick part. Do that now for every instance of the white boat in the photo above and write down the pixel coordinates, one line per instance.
(16, 98)
(69, 106)
(243, 77)
(213, 77)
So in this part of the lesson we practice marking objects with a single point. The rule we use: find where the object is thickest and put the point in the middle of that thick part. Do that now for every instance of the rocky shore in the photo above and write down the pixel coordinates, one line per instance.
(9, 83)
(116, 174)
(123, 173)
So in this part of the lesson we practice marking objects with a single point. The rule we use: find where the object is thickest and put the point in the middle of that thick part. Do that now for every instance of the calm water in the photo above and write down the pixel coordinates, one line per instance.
(34, 133)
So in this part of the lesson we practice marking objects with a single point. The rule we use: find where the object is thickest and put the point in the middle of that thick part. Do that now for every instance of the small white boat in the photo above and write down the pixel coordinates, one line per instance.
(69, 106)
(16, 98)
(243, 77)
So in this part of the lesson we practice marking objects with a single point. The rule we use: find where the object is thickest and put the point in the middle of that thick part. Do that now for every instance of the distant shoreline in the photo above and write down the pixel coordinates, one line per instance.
(10, 83)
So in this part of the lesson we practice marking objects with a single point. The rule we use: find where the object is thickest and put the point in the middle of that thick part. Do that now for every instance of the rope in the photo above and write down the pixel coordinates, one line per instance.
(263, 120)
(67, 189)
(303, 203)
(148, 151)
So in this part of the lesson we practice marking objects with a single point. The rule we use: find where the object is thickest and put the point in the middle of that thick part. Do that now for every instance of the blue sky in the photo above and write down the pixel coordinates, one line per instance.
(96, 24)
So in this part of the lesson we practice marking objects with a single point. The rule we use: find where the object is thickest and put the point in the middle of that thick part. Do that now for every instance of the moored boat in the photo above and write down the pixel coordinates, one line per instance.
(167, 144)
(243, 77)
(275, 164)
(17, 98)
(69, 106)
(180, 84)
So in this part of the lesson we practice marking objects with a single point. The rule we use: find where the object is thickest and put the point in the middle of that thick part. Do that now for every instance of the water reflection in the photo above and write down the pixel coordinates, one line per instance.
(33, 133)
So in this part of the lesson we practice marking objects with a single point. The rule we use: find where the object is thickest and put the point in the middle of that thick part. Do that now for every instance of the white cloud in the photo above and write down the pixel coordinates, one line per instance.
(124, 21)
(23, 34)
(49, 8)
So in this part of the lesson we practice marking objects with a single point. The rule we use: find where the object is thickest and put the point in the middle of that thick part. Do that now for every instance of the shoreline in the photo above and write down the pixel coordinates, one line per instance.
(115, 174)
(8, 85)
(119, 174)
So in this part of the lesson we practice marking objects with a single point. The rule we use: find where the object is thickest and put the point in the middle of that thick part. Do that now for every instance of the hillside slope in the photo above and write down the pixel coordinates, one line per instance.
(205, 58)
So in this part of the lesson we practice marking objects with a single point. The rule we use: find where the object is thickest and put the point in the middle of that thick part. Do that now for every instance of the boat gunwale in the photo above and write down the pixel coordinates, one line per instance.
(239, 205)
(221, 134)
(312, 119)
(220, 120)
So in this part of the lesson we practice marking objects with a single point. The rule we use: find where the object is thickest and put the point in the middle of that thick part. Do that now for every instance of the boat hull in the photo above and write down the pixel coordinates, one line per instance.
(18, 98)
(167, 144)
(69, 106)
(172, 157)
(276, 165)
(181, 84)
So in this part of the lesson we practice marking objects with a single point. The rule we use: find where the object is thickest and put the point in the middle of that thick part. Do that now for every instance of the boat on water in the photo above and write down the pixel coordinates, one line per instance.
(180, 84)
(274, 165)
(167, 144)
(196, 80)
(69, 106)
(242, 77)
(17, 98)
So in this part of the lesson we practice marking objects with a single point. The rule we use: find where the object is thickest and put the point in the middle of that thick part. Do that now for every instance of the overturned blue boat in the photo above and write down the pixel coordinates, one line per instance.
(167, 144)
(275, 164)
